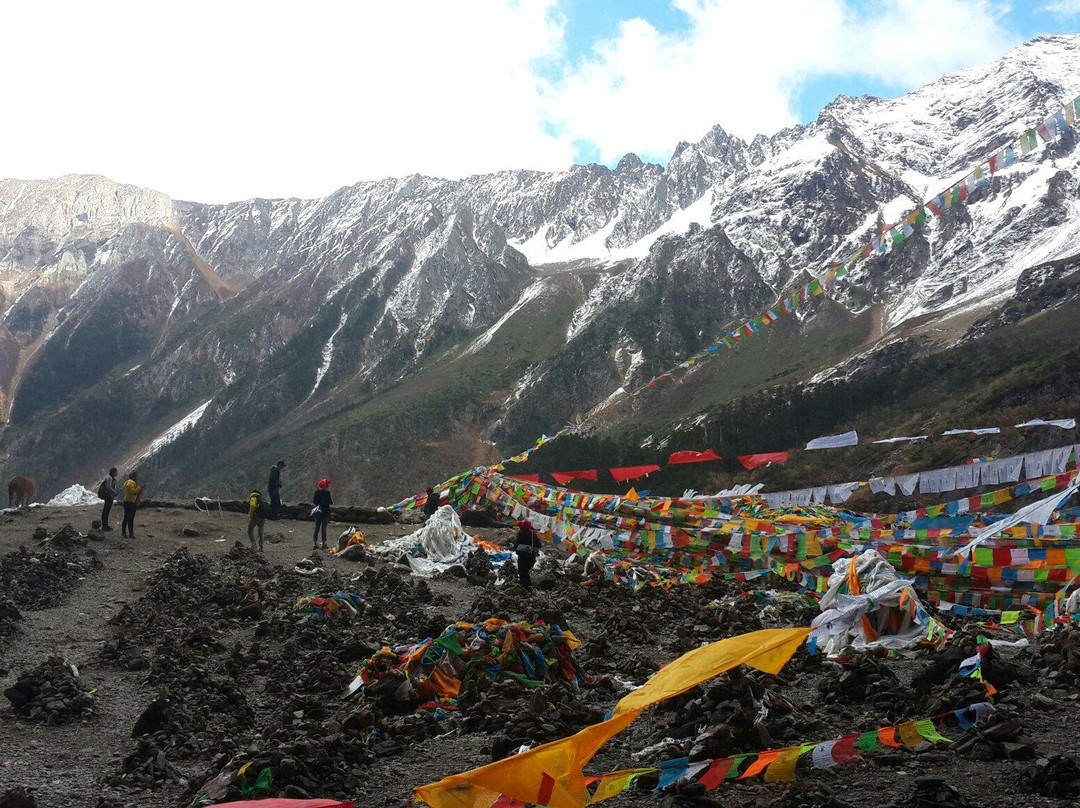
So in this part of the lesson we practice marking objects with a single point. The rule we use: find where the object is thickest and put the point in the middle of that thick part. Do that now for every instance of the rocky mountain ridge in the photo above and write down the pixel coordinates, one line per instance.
(494, 307)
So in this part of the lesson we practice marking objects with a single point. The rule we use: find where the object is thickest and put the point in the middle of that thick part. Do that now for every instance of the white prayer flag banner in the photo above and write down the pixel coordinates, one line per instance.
(834, 441)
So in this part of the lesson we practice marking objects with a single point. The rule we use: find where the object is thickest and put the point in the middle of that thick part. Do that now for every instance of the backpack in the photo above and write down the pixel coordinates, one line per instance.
(104, 489)
(262, 510)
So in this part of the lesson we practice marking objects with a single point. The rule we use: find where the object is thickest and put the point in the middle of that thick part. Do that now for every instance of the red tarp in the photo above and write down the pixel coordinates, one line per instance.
(529, 478)
(275, 803)
(632, 472)
(755, 460)
(563, 477)
(693, 457)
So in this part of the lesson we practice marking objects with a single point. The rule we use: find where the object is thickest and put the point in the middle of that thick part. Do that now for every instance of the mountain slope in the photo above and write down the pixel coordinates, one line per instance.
(398, 330)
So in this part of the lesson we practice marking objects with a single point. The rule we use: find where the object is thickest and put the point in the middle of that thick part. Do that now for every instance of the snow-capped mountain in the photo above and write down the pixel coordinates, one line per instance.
(399, 329)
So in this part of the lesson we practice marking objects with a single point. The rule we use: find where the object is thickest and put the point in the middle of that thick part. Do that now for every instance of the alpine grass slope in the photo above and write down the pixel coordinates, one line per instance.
(398, 331)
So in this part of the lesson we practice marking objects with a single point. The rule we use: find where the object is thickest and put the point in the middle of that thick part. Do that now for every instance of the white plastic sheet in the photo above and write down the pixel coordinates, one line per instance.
(834, 441)
(1061, 423)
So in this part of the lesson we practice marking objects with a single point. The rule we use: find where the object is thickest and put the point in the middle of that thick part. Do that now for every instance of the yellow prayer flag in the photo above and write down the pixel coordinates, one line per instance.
(782, 770)
(767, 650)
(550, 774)
(909, 734)
(615, 783)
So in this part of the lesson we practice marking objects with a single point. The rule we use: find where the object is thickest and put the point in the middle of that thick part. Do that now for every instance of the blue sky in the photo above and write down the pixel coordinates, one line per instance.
(590, 21)
(299, 100)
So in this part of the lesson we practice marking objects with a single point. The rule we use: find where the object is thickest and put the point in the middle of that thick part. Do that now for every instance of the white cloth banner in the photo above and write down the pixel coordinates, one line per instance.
(1036, 513)
(817, 495)
(993, 430)
(885, 485)
(903, 439)
(842, 492)
(967, 476)
(834, 441)
(907, 483)
(1062, 423)
(937, 481)
(1006, 470)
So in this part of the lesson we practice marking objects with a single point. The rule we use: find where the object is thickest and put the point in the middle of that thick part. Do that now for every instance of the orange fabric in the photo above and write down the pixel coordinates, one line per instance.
(887, 736)
(550, 774)
(447, 687)
(763, 759)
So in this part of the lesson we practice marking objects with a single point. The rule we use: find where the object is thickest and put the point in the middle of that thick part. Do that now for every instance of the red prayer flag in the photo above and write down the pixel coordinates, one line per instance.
(752, 461)
(693, 457)
(286, 803)
(621, 475)
(563, 477)
(529, 478)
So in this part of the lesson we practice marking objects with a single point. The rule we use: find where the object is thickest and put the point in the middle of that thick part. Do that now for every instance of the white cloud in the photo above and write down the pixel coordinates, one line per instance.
(1063, 8)
(740, 63)
(216, 101)
(222, 100)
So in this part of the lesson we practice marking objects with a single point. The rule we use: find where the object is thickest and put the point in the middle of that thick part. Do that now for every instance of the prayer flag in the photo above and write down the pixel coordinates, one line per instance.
(753, 461)
(626, 473)
(690, 456)
(563, 477)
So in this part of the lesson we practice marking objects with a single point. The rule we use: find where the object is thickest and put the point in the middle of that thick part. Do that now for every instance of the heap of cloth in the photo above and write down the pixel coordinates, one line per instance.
(663, 541)
(435, 671)
(329, 605)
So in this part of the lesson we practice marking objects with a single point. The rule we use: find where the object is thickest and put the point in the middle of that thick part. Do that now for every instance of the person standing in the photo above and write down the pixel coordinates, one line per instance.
(431, 504)
(322, 501)
(273, 487)
(526, 545)
(257, 513)
(109, 490)
(133, 493)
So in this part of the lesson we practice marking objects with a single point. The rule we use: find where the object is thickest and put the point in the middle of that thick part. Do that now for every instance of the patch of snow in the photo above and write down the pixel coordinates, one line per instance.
(73, 496)
(328, 354)
(172, 433)
(529, 294)
(699, 212)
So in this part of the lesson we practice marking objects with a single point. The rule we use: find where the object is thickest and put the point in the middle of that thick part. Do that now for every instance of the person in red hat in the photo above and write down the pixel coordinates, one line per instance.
(322, 501)
(527, 546)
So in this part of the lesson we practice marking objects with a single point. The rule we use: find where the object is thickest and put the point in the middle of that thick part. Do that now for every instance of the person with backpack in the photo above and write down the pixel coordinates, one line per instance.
(132, 497)
(322, 501)
(273, 487)
(108, 491)
(527, 546)
(258, 510)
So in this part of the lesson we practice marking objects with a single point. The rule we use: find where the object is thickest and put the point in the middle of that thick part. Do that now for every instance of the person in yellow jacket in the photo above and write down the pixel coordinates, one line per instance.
(258, 510)
(132, 498)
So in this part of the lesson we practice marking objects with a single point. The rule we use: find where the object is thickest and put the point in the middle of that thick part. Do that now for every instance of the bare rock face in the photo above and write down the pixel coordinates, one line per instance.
(439, 314)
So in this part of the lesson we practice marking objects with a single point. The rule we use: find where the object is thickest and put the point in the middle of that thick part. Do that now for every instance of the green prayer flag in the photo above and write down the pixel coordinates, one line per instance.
(450, 643)
(929, 732)
(868, 742)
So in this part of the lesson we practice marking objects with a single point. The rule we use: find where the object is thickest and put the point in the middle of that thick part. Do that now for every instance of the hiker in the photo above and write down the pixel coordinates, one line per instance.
(432, 503)
(273, 487)
(258, 510)
(526, 545)
(322, 501)
(109, 490)
(132, 497)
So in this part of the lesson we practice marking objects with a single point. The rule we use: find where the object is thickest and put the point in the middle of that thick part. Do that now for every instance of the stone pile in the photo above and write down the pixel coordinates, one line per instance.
(52, 693)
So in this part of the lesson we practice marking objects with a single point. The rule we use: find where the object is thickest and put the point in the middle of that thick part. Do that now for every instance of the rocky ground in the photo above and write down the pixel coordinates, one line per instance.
(148, 671)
